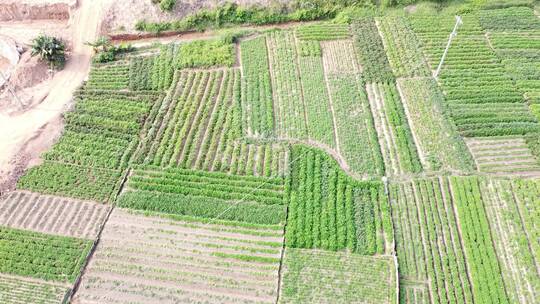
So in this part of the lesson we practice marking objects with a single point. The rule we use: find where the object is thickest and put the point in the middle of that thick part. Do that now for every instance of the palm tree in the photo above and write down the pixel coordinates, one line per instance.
(50, 49)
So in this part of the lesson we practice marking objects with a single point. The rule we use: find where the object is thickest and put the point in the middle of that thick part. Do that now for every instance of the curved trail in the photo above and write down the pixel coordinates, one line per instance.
(25, 130)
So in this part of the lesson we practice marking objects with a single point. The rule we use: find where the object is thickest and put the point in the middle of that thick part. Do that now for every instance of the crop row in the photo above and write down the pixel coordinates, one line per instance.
(371, 53)
(439, 145)
(511, 239)
(509, 155)
(71, 180)
(473, 77)
(18, 290)
(185, 127)
(51, 214)
(311, 276)
(395, 137)
(317, 103)
(323, 31)
(514, 18)
(433, 31)
(487, 282)
(140, 75)
(402, 47)
(41, 256)
(205, 54)
(209, 184)
(197, 261)
(357, 137)
(161, 68)
(427, 239)
(309, 48)
(527, 193)
(197, 125)
(202, 207)
(288, 94)
(103, 130)
(195, 54)
(257, 104)
(329, 210)
(110, 77)
(339, 57)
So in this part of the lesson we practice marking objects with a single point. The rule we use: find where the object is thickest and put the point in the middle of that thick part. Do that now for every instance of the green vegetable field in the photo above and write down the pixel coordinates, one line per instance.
(316, 162)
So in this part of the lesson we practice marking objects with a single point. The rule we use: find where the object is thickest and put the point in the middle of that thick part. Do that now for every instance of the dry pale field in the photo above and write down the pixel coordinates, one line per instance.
(144, 259)
(51, 214)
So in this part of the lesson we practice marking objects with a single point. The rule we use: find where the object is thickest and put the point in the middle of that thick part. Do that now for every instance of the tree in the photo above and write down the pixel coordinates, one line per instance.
(102, 44)
(50, 49)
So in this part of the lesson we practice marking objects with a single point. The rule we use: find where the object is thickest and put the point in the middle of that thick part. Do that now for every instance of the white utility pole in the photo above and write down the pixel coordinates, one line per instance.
(452, 35)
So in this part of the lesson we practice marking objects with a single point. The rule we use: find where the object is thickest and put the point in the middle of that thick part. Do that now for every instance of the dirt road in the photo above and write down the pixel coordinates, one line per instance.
(22, 137)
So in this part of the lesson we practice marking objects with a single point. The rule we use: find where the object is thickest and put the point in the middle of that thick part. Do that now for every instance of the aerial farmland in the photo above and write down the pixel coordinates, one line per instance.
(300, 151)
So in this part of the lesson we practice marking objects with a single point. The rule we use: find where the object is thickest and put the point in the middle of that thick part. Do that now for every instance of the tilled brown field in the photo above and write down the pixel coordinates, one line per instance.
(146, 259)
(52, 214)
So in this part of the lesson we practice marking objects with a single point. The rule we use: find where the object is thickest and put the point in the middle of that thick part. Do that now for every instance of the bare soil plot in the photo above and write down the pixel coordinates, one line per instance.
(51, 214)
(148, 259)
(503, 155)
(20, 290)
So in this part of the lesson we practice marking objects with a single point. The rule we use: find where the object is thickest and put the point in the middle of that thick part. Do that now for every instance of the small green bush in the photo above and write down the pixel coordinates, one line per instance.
(167, 5)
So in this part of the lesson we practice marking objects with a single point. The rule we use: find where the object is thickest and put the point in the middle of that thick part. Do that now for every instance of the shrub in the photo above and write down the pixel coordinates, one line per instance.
(106, 51)
(50, 49)
(167, 5)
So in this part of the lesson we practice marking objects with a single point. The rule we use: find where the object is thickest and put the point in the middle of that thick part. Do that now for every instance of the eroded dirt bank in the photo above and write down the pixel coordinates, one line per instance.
(19, 10)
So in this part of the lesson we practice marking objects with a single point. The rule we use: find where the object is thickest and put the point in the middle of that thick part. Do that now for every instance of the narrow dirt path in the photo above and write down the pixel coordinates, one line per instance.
(18, 130)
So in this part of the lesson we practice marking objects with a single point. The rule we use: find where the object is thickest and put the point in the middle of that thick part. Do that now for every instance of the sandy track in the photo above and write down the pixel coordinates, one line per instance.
(16, 131)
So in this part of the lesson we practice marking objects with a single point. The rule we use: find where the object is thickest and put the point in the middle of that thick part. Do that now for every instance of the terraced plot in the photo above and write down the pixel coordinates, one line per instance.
(356, 136)
(395, 137)
(257, 102)
(42, 256)
(198, 126)
(216, 185)
(330, 210)
(503, 155)
(505, 211)
(479, 92)
(313, 276)
(109, 76)
(402, 47)
(53, 215)
(429, 249)
(20, 290)
(206, 194)
(439, 145)
(288, 97)
(323, 31)
(483, 264)
(319, 117)
(146, 259)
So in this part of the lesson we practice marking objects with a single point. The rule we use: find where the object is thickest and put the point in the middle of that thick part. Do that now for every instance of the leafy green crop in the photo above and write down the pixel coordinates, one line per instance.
(42, 256)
